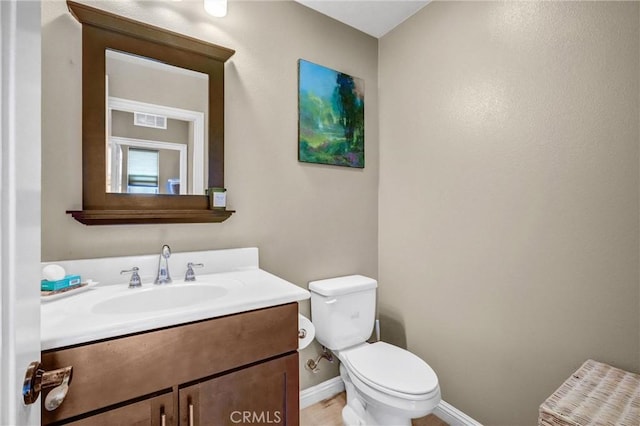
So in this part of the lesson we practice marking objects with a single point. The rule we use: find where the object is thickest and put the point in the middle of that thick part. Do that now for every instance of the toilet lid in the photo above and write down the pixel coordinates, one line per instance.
(385, 366)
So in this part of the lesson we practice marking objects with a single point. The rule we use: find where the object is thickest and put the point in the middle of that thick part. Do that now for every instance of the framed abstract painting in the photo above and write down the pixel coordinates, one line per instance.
(330, 116)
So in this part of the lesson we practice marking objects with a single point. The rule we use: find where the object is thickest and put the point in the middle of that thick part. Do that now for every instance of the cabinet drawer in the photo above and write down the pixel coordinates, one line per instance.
(113, 371)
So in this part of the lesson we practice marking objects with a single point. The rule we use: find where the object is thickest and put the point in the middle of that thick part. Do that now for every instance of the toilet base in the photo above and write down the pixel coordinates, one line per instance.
(352, 417)
(359, 412)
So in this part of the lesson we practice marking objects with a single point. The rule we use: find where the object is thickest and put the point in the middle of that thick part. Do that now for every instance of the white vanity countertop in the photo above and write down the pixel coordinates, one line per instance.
(81, 318)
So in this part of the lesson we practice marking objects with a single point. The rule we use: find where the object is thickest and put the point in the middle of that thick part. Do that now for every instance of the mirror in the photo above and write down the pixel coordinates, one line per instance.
(146, 173)
(160, 111)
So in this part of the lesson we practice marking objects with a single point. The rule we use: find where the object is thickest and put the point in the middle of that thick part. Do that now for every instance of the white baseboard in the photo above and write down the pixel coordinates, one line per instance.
(321, 391)
(450, 414)
(332, 387)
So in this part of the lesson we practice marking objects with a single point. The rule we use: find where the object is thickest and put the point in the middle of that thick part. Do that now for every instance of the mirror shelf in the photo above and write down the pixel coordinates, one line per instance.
(141, 217)
(103, 31)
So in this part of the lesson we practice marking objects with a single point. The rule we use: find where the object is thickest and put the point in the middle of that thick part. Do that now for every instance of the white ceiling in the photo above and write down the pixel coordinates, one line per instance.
(374, 17)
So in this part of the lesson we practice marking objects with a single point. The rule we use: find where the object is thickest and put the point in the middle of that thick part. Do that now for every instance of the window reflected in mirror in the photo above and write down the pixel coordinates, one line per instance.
(142, 170)
(156, 127)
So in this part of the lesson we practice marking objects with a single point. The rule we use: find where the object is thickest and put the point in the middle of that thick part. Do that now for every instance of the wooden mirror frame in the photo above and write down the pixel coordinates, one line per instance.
(101, 31)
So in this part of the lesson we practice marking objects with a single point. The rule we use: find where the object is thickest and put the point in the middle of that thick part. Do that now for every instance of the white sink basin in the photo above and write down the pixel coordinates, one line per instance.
(159, 298)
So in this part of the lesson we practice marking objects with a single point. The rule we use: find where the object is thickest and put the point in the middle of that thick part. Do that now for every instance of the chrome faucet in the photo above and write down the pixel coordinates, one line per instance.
(163, 276)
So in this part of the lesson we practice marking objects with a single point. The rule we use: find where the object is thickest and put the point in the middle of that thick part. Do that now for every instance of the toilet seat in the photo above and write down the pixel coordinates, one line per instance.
(391, 370)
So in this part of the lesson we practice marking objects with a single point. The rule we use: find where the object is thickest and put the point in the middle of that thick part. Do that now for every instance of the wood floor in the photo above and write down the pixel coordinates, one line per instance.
(329, 413)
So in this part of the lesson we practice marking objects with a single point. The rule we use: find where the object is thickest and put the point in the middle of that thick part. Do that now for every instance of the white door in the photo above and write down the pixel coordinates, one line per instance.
(20, 30)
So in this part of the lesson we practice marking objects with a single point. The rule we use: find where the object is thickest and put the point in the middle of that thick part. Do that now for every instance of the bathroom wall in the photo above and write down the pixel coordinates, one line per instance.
(309, 221)
(509, 196)
(166, 85)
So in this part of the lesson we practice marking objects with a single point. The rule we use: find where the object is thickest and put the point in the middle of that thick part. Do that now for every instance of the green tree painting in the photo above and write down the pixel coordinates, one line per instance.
(331, 116)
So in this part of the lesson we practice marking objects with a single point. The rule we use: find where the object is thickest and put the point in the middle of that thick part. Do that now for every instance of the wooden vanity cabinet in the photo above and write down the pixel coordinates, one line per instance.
(220, 370)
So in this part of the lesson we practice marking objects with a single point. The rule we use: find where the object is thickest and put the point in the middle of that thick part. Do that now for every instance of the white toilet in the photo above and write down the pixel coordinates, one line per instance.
(385, 385)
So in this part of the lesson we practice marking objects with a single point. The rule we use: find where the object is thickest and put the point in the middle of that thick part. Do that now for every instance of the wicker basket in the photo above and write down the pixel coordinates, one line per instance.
(596, 394)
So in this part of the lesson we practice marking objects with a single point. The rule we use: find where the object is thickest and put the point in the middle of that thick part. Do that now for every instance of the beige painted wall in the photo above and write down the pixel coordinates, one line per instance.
(177, 131)
(309, 221)
(147, 81)
(509, 196)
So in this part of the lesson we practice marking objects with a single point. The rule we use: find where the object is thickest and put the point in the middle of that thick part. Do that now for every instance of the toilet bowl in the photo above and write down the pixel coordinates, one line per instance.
(385, 385)
(392, 385)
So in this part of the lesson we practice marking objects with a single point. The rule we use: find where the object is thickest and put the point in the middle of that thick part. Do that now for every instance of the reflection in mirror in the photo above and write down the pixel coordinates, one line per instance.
(156, 127)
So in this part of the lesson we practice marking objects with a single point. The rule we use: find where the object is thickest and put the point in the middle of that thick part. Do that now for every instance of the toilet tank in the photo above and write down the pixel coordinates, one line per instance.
(343, 310)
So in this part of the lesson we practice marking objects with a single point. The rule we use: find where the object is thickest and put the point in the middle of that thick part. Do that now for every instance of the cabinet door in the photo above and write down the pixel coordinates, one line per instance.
(263, 394)
(157, 411)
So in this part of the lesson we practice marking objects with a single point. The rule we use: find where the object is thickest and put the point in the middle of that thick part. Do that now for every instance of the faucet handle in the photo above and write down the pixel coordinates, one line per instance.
(135, 281)
(190, 275)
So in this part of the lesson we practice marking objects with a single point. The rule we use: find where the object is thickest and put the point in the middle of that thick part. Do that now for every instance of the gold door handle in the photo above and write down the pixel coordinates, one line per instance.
(191, 420)
(163, 420)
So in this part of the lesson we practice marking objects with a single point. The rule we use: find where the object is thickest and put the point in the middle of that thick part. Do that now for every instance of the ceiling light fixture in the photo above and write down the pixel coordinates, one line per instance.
(217, 8)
